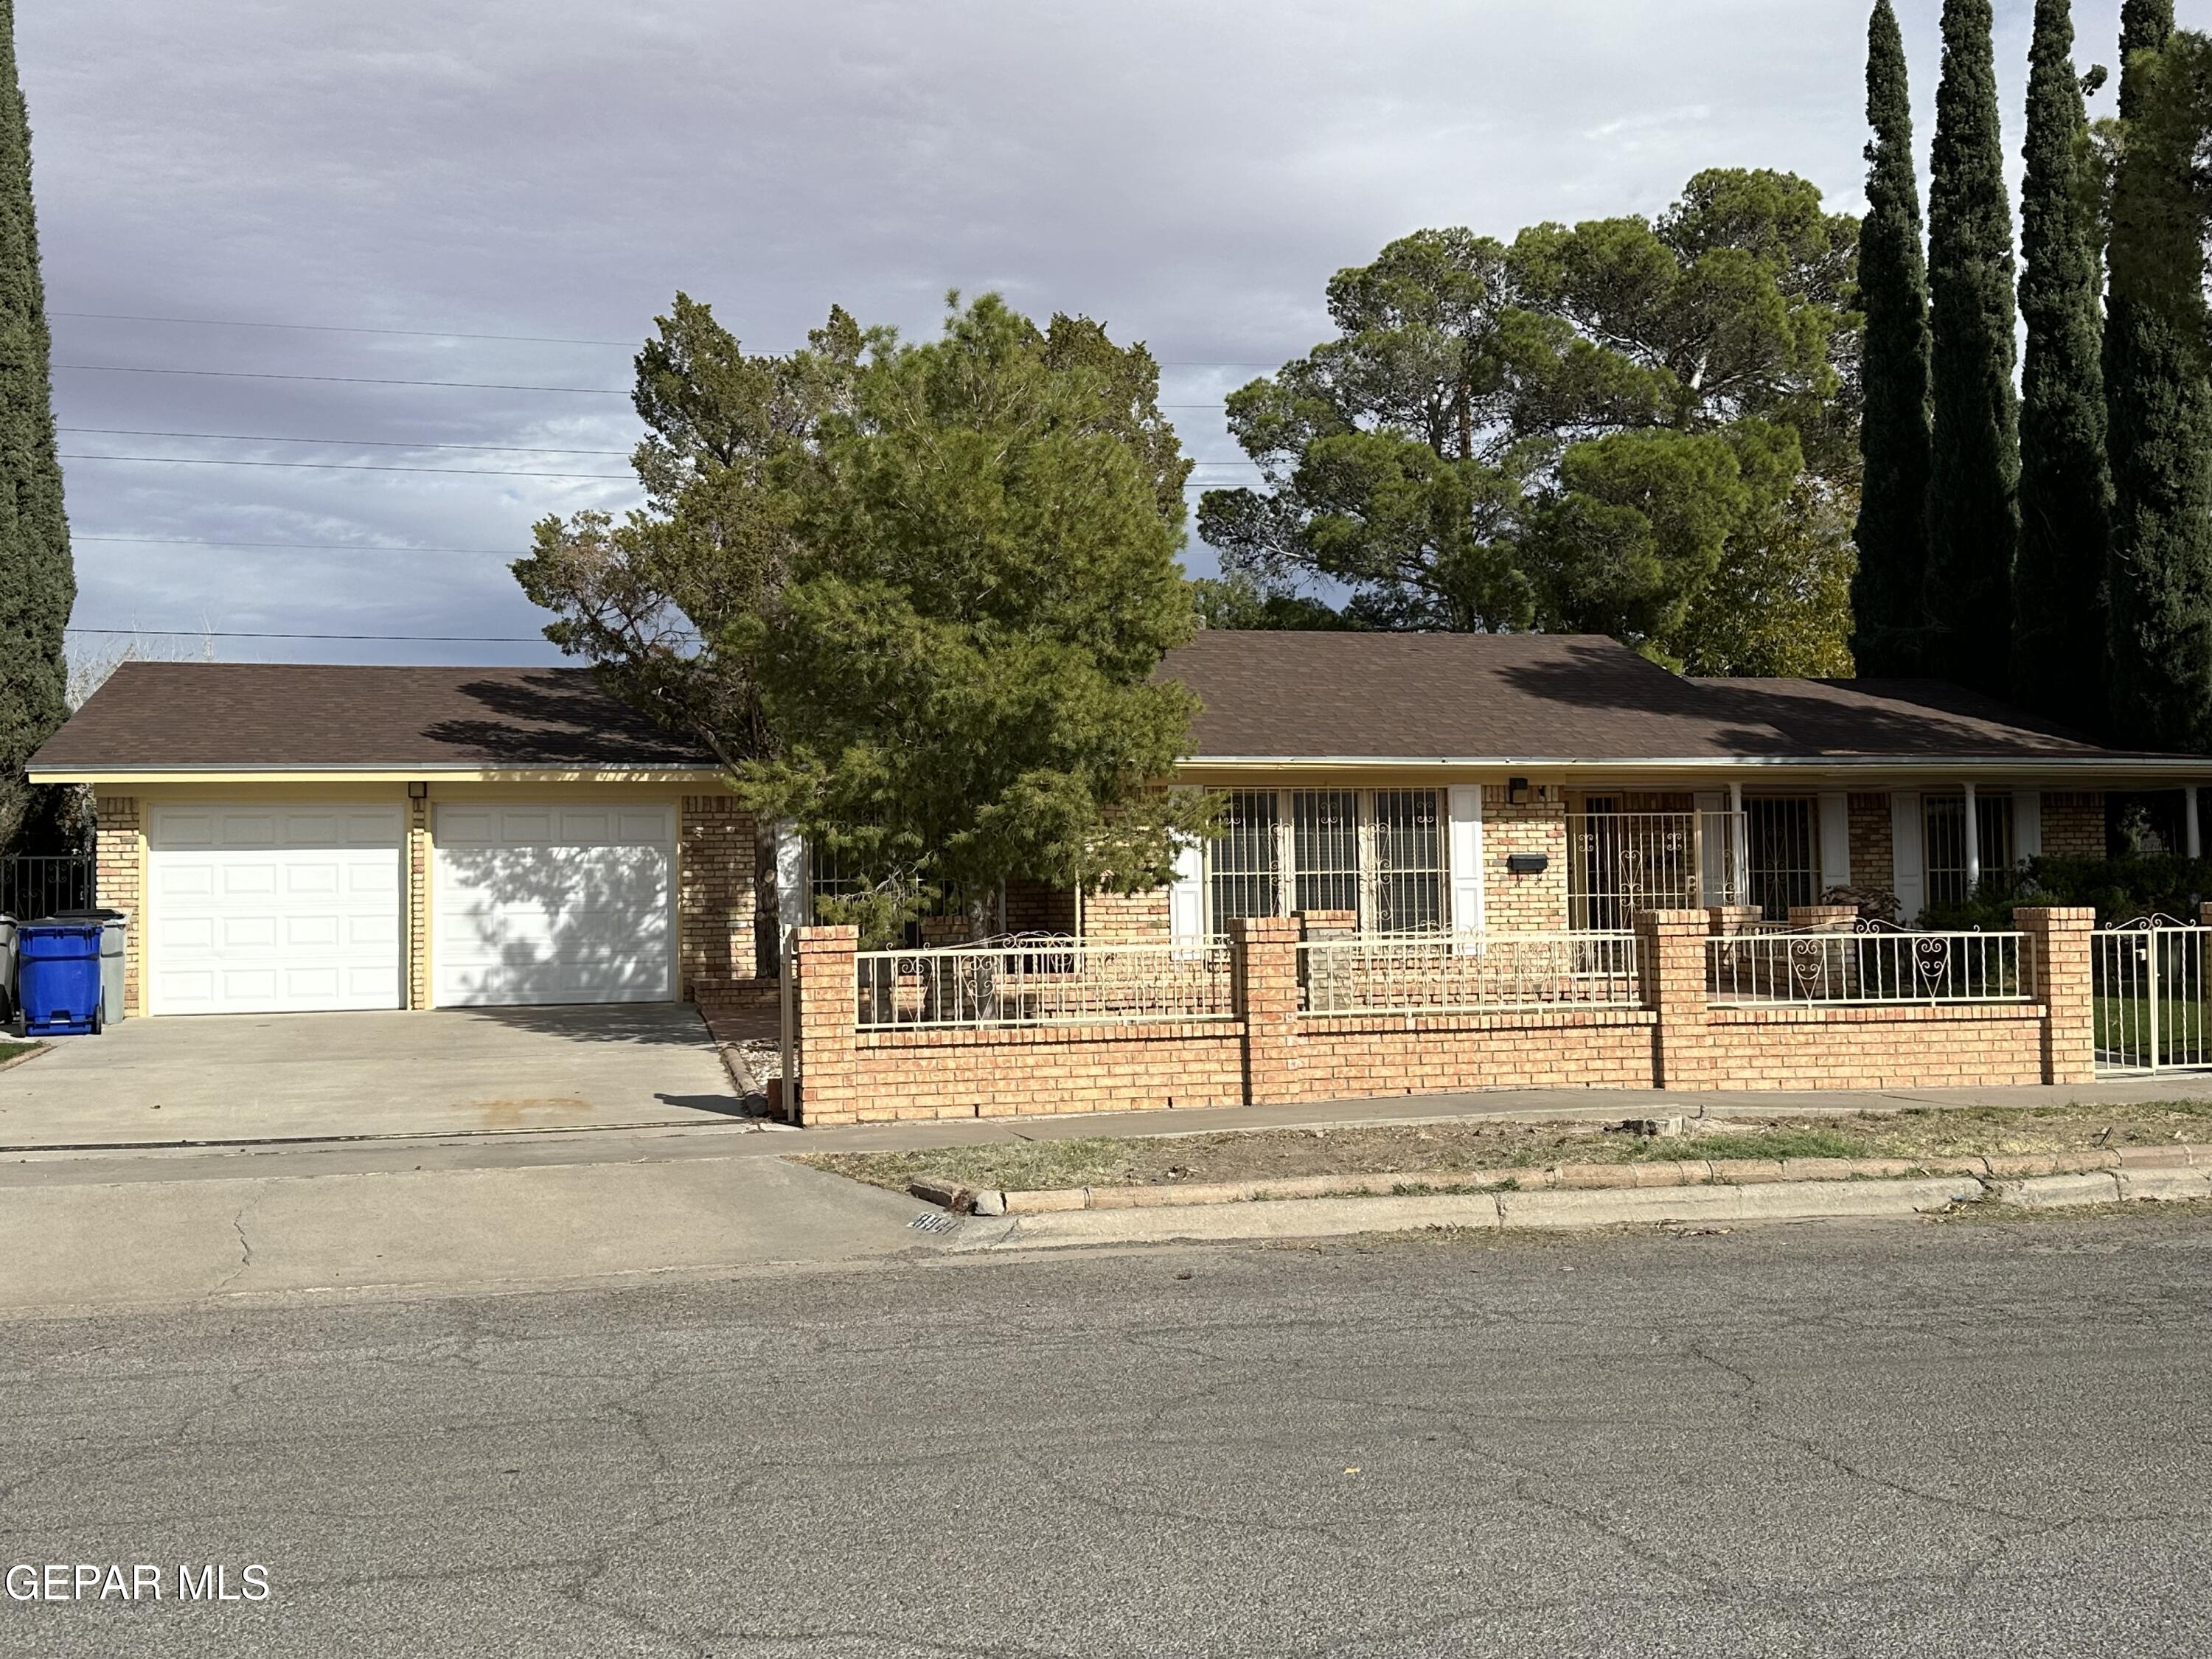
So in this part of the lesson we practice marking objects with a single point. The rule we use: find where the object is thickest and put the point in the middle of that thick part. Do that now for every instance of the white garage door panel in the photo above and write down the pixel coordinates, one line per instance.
(259, 909)
(553, 903)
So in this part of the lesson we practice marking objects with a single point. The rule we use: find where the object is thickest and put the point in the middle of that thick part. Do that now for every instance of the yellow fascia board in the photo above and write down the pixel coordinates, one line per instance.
(113, 778)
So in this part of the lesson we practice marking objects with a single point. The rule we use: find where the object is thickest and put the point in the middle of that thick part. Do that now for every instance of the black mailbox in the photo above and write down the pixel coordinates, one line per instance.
(1527, 864)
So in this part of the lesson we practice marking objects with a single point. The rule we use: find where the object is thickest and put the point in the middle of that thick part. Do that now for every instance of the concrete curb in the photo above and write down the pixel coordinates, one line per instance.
(1673, 1173)
(28, 1056)
(1789, 1200)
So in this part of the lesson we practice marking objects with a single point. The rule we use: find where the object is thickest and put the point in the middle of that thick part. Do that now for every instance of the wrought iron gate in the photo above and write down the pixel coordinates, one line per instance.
(2148, 980)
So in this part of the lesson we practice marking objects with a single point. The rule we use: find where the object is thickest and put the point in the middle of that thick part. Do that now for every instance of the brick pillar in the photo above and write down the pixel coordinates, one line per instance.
(418, 902)
(1670, 948)
(1326, 924)
(2054, 971)
(829, 1068)
(1824, 918)
(716, 952)
(118, 883)
(1264, 968)
(1729, 918)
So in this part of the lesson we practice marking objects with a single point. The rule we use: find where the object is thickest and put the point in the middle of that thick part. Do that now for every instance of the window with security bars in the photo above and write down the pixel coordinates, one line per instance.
(1409, 862)
(1243, 858)
(1379, 853)
(1325, 848)
(1782, 856)
(1944, 843)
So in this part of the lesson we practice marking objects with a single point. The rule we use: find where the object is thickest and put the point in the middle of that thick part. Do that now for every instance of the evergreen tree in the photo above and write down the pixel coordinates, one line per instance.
(1974, 503)
(2065, 489)
(2159, 408)
(37, 582)
(1892, 522)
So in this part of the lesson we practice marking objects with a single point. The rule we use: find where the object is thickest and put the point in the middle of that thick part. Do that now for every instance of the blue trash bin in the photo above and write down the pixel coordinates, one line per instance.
(58, 977)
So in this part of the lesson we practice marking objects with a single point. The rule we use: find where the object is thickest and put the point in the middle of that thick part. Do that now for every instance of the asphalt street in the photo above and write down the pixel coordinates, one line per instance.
(1925, 1438)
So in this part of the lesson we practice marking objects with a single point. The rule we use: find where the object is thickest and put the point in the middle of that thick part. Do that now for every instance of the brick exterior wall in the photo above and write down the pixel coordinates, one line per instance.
(1874, 858)
(1523, 904)
(1034, 907)
(717, 856)
(1127, 918)
(120, 875)
(1269, 1053)
(2073, 823)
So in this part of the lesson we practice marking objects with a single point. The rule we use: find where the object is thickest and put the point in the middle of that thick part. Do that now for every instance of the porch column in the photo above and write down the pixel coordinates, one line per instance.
(1973, 841)
(1739, 847)
(2196, 840)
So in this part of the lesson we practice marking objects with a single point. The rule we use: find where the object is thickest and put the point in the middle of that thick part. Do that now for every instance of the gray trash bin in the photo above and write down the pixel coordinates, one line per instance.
(114, 925)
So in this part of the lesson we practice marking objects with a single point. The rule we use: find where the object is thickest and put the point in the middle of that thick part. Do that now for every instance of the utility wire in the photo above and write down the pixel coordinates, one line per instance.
(323, 547)
(220, 633)
(346, 467)
(351, 379)
(459, 334)
(337, 328)
(338, 443)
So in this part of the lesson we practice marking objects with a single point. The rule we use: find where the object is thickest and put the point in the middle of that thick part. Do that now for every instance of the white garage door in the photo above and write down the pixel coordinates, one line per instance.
(255, 908)
(553, 903)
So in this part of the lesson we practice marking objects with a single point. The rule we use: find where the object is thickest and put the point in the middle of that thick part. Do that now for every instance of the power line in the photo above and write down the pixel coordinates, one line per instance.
(342, 443)
(462, 334)
(346, 467)
(221, 634)
(325, 547)
(350, 380)
(338, 328)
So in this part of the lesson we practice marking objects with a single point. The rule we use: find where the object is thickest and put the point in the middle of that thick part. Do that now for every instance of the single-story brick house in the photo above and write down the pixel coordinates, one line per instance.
(296, 836)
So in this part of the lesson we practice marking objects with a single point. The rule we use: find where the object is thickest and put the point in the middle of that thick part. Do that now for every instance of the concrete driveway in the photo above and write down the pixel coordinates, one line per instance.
(264, 1076)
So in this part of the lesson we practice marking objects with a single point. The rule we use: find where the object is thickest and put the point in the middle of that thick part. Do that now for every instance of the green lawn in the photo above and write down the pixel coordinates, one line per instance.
(2185, 1031)
(9, 1048)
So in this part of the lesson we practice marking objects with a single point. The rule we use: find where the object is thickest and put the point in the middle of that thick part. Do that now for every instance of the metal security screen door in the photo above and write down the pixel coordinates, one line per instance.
(1409, 862)
(2147, 984)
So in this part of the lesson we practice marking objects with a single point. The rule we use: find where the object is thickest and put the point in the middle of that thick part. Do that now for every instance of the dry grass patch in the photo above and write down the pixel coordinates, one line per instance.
(1461, 1147)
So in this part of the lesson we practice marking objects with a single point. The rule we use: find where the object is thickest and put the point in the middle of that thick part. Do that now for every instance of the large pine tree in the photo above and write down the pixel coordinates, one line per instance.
(2159, 409)
(2058, 615)
(1974, 504)
(1887, 617)
(37, 582)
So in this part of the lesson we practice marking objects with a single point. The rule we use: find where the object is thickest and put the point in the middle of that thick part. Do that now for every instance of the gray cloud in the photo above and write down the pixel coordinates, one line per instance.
(1190, 173)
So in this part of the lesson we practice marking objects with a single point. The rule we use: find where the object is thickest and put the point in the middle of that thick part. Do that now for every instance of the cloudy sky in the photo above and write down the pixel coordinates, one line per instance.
(359, 212)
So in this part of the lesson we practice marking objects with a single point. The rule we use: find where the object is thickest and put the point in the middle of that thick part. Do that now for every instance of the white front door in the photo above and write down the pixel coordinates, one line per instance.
(259, 907)
(553, 902)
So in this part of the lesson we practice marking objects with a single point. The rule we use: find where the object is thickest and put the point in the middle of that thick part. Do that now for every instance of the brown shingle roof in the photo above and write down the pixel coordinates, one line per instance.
(253, 715)
(1531, 697)
(1500, 697)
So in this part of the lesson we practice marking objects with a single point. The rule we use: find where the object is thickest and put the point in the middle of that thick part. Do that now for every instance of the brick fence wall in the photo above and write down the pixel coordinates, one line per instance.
(1269, 1053)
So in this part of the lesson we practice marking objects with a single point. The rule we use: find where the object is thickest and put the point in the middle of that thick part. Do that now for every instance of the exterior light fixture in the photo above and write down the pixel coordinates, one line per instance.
(418, 790)
(1517, 791)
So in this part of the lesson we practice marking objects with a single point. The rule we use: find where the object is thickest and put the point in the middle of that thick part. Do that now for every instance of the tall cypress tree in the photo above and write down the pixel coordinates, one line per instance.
(2159, 409)
(2065, 489)
(1888, 620)
(37, 582)
(1973, 493)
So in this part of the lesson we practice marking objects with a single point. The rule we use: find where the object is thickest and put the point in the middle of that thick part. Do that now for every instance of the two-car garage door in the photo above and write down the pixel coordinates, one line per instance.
(260, 907)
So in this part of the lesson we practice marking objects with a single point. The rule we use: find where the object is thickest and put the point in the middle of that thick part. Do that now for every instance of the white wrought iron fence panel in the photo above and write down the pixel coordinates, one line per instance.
(1868, 965)
(1619, 863)
(2147, 996)
(1467, 973)
(1042, 981)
